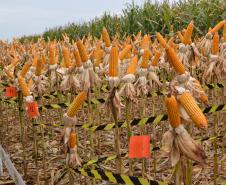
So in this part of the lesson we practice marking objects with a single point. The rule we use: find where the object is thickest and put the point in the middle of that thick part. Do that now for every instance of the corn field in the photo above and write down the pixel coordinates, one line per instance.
(146, 107)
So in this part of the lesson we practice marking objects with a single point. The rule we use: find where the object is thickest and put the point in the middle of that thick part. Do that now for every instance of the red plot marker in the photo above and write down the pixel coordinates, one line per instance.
(139, 146)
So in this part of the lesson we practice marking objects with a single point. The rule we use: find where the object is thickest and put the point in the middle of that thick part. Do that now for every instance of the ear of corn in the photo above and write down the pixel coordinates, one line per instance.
(156, 58)
(170, 42)
(106, 37)
(180, 36)
(82, 51)
(173, 111)
(78, 60)
(175, 61)
(23, 86)
(66, 57)
(113, 64)
(25, 69)
(215, 44)
(39, 66)
(188, 33)
(145, 42)
(30, 83)
(224, 32)
(76, 104)
(72, 142)
(161, 40)
(217, 27)
(192, 109)
(125, 51)
(145, 59)
(35, 59)
(98, 57)
(52, 58)
(132, 66)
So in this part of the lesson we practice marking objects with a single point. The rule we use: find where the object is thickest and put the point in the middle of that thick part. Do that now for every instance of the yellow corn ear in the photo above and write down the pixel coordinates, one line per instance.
(132, 66)
(78, 60)
(180, 36)
(145, 42)
(52, 58)
(72, 142)
(98, 57)
(217, 27)
(35, 59)
(173, 111)
(39, 66)
(82, 51)
(106, 37)
(23, 86)
(224, 32)
(124, 52)
(175, 61)
(204, 98)
(145, 59)
(188, 33)
(66, 57)
(161, 40)
(30, 84)
(215, 44)
(25, 69)
(170, 42)
(113, 64)
(193, 110)
(76, 104)
(156, 58)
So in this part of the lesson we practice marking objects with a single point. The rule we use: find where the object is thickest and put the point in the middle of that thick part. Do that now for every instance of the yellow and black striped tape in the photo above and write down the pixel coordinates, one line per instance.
(113, 157)
(136, 121)
(116, 178)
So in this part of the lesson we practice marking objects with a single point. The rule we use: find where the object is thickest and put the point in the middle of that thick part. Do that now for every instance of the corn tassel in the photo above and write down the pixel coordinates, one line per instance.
(178, 66)
(23, 86)
(76, 104)
(173, 111)
(132, 66)
(106, 37)
(188, 33)
(215, 44)
(193, 110)
(113, 64)
(82, 51)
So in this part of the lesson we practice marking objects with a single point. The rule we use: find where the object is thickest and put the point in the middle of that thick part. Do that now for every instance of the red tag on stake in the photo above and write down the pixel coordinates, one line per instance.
(10, 92)
(32, 110)
(139, 146)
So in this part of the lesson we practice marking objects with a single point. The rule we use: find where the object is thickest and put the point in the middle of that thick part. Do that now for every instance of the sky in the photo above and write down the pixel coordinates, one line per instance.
(28, 17)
